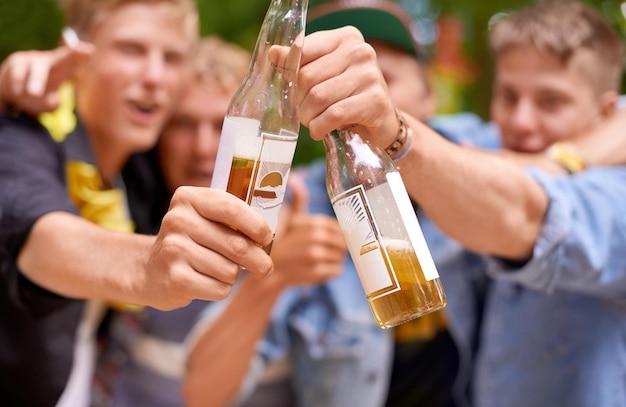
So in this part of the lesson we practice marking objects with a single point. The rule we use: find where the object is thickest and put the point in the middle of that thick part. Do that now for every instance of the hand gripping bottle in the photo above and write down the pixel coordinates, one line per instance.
(381, 229)
(261, 126)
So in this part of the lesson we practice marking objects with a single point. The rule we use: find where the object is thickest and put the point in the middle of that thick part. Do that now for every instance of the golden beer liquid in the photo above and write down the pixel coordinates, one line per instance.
(240, 176)
(416, 296)
(239, 183)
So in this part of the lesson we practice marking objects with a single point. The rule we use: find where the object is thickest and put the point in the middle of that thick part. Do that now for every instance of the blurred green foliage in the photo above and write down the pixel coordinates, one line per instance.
(28, 24)
(36, 24)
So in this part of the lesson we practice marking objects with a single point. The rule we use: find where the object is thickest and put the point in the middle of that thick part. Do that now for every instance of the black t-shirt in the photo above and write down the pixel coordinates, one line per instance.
(37, 327)
(148, 197)
(423, 373)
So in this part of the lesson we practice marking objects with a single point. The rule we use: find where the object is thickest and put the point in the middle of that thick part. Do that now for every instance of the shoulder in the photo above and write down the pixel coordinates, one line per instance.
(14, 121)
(20, 132)
(31, 166)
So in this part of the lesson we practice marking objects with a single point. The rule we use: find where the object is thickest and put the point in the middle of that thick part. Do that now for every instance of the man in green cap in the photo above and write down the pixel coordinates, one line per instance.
(323, 347)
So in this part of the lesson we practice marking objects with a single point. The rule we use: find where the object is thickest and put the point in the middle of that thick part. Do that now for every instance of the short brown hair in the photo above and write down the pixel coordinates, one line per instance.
(82, 15)
(564, 28)
(222, 63)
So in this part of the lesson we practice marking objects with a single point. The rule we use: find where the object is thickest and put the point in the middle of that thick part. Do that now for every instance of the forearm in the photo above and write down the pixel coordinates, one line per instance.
(487, 203)
(71, 257)
(605, 144)
(221, 356)
(535, 160)
(601, 146)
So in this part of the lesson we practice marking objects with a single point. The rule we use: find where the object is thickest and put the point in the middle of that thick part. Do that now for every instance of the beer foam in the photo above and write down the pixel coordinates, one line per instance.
(396, 245)
(247, 138)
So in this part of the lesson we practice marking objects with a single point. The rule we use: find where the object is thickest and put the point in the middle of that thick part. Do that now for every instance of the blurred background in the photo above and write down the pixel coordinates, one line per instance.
(455, 32)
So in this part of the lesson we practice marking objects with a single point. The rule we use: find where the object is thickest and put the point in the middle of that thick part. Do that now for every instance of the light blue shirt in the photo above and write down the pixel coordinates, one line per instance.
(548, 333)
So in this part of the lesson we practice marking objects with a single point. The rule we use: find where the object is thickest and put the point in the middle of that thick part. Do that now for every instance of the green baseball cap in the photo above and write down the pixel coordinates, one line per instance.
(381, 20)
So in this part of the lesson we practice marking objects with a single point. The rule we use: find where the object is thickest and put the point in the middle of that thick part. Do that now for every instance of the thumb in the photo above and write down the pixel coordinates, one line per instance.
(299, 193)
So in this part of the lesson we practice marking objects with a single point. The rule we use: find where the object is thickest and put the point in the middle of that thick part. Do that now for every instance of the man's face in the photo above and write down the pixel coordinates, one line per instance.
(406, 81)
(127, 89)
(537, 100)
(188, 146)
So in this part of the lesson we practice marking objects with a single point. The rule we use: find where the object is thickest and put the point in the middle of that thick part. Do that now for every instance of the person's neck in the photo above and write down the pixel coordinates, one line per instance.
(108, 156)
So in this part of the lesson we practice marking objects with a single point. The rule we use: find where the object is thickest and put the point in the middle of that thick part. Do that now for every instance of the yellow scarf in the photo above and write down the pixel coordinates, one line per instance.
(104, 207)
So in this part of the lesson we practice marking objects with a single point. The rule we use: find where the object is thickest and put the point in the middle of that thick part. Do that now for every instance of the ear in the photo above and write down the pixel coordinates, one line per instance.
(608, 103)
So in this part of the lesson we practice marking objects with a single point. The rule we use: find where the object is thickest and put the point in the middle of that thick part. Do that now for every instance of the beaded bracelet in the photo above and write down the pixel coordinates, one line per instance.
(403, 142)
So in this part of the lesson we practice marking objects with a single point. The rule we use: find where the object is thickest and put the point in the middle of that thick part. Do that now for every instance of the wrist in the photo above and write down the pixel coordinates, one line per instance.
(403, 141)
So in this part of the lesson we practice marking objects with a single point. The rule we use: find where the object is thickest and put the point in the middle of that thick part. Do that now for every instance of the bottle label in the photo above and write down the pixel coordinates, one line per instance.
(416, 236)
(254, 165)
(368, 248)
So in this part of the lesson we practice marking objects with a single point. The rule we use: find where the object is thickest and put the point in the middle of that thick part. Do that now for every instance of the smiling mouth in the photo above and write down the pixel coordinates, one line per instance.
(145, 108)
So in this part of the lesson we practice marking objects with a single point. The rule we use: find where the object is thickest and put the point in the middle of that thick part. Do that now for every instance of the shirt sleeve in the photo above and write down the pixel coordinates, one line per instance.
(31, 185)
(581, 244)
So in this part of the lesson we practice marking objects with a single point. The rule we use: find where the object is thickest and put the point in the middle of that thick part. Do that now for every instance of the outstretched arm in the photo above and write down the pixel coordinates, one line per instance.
(487, 203)
(204, 238)
(604, 145)
(310, 251)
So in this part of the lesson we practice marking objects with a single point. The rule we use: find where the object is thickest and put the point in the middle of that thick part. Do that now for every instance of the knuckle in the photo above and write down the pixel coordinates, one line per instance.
(267, 268)
(173, 220)
(306, 77)
(181, 194)
(238, 245)
(232, 272)
(220, 291)
(172, 245)
(363, 52)
(335, 113)
(353, 33)
(317, 95)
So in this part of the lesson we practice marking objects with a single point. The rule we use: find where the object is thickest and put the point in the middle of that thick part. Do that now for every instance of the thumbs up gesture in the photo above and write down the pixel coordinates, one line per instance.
(309, 248)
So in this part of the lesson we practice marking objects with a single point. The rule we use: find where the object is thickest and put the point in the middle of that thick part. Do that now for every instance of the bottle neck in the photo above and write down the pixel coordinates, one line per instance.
(335, 143)
(284, 25)
(344, 141)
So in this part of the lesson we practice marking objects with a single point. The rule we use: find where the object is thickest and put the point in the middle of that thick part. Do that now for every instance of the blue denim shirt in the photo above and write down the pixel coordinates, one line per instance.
(339, 356)
(548, 333)
(554, 330)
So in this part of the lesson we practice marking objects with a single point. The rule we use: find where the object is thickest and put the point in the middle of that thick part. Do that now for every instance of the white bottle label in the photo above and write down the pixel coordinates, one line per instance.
(412, 225)
(267, 158)
(367, 241)
(363, 240)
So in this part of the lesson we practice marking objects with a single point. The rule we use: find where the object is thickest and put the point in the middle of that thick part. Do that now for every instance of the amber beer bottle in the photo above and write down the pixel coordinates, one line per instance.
(381, 229)
(261, 126)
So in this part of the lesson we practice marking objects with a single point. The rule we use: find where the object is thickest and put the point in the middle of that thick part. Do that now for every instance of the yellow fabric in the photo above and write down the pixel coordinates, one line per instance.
(105, 207)
(422, 329)
(62, 121)
(565, 155)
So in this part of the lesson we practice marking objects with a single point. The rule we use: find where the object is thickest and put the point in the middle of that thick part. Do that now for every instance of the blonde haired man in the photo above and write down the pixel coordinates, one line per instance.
(51, 258)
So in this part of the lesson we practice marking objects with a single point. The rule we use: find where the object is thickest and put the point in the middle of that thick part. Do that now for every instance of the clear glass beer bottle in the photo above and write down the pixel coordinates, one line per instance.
(381, 229)
(261, 126)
